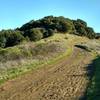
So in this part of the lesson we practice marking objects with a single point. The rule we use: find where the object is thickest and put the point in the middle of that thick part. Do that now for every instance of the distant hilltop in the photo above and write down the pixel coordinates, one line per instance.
(45, 27)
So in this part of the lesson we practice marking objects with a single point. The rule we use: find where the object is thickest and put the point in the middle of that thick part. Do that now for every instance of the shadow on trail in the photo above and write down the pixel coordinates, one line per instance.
(93, 88)
(83, 47)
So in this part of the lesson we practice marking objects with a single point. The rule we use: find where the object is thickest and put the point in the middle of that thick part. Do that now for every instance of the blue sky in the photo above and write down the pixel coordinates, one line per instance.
(14, 13)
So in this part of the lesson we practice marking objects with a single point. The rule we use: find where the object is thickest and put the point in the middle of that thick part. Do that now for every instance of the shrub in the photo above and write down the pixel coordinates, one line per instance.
(2, 41)
(10, 38)
(60, 24)
(90, 32)
(83, 23)
(35, 34)
(14, 38)
(45, 34)
(80, 28)
(64, 25)
(50, 32)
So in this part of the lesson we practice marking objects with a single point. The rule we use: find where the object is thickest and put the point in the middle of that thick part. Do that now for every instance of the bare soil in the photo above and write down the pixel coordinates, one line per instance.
(65, 80)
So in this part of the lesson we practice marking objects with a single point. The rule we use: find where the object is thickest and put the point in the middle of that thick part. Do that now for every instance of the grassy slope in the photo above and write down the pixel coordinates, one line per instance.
(70, 41)
(17, 69)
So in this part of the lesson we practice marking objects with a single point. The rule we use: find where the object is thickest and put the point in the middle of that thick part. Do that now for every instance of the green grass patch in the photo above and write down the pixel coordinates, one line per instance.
(93, 92)
(55, 48)
(17, 71)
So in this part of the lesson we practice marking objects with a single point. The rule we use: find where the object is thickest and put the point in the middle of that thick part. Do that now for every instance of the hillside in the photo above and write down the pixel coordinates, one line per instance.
(54, 58)
(59, 69)
(44, 28)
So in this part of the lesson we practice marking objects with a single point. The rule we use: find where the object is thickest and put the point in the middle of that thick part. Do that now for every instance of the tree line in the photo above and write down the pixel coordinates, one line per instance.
(43, 28)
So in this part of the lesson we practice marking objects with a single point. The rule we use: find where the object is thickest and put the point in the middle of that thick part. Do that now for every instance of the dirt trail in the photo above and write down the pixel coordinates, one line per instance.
(65, 80)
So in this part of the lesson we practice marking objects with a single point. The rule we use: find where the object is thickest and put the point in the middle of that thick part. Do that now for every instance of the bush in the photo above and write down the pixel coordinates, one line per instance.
(10, 38)
(64, 25)
(60, 24)
(35, 34)
(45, 34)
(48, 33)
(80, 28)
(14, 38)
(2, 41)
(90, 33)
(83, 23)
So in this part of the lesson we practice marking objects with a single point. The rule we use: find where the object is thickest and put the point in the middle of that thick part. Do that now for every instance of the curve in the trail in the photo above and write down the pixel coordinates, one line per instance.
(64, 80)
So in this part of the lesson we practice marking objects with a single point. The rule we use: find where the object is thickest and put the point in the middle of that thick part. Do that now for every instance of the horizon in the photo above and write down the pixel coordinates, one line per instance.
(16, 13)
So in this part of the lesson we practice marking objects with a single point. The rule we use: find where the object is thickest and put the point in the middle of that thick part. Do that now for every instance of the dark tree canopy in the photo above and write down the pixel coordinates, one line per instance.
(35, 34)
(10, 38)
(45, 27)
